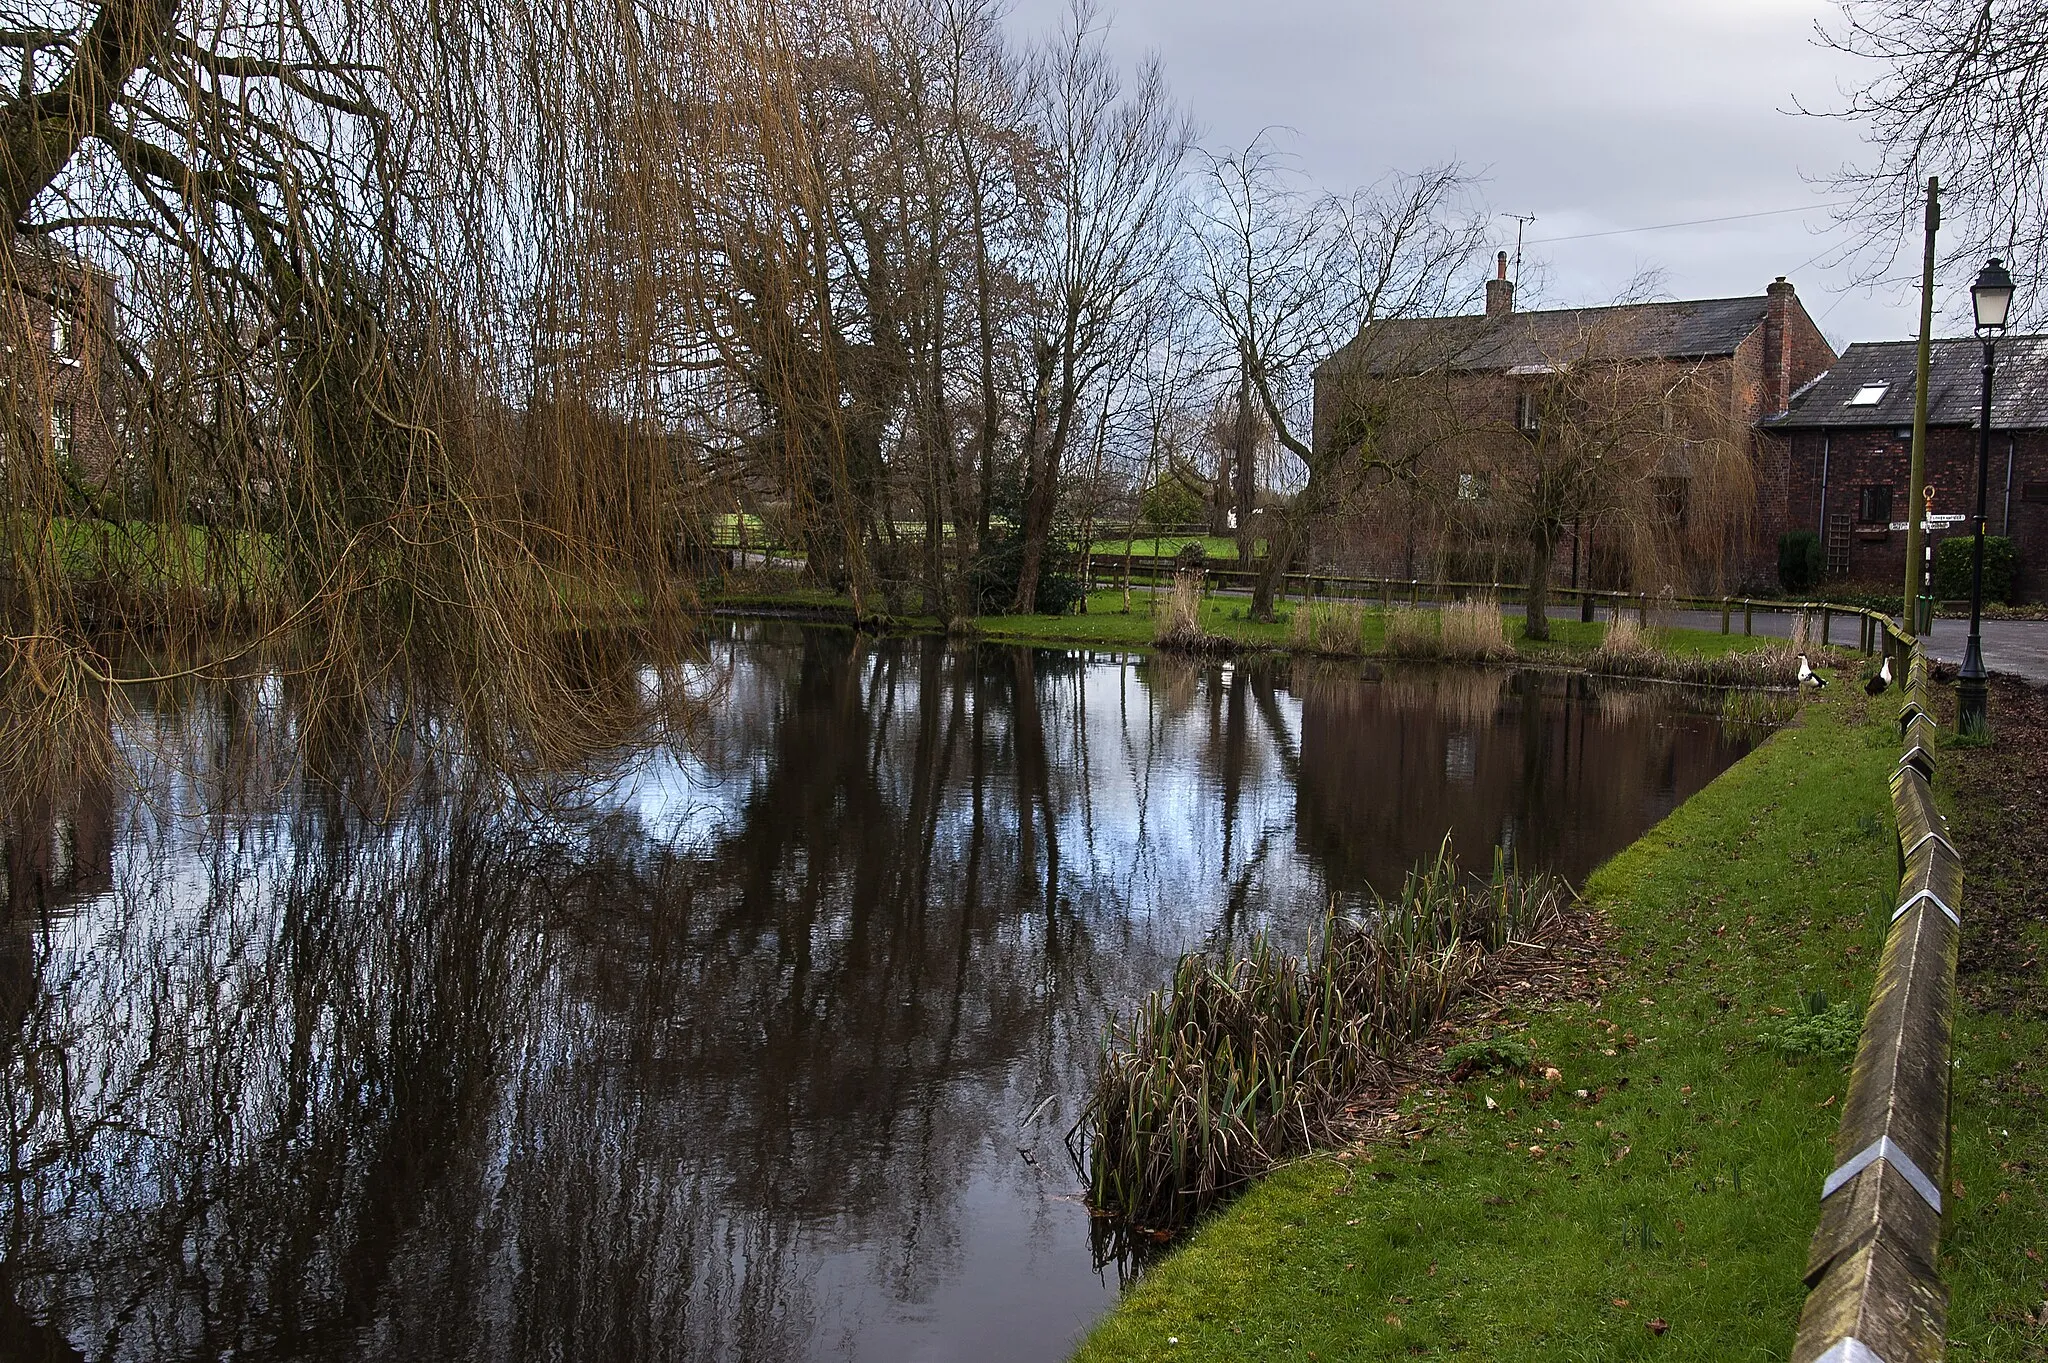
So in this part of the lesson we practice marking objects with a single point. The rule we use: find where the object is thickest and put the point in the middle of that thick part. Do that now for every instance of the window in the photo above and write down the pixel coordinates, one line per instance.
(1528, 413)
(1471, 487)
(61, 330)
(1874, 504)
(60, 430)
(1869, 395)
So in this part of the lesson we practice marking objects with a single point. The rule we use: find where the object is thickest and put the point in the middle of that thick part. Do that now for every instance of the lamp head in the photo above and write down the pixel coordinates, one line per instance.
(1991, 297)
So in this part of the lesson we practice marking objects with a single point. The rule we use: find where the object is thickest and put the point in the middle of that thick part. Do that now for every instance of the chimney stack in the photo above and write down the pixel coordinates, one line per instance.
(1500, 290)
(1777, 394)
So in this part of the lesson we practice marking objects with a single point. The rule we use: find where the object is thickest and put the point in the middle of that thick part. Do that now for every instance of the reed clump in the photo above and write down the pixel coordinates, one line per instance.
(1251, 1059)
(1333, 628)
(1629, 650)
(1412, 633)
(1179, 622)
(1475, 631)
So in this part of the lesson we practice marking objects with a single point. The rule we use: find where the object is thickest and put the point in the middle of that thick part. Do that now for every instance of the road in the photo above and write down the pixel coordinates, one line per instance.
(2019, 647)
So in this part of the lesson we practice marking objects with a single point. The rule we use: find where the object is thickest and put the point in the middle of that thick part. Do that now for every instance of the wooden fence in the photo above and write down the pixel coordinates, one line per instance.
(1873, 1271)
(1387, 592)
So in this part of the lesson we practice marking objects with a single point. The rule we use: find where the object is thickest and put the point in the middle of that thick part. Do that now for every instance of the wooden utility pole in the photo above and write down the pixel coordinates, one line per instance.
(1917, 480)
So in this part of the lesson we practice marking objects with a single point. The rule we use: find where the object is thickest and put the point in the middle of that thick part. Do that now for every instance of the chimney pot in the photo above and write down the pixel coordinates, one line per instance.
(1500, 290)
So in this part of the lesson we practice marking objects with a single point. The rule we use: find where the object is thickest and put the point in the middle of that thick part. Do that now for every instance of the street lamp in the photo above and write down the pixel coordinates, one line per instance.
(1991, 297)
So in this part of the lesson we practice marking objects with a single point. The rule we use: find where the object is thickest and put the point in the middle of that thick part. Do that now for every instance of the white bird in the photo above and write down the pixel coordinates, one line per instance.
(1877, 684)
(1809, 677)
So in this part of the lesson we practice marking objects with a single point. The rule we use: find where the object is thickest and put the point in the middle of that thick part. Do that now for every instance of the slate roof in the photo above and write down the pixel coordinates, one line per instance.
(2019, 386)
(1686, 330)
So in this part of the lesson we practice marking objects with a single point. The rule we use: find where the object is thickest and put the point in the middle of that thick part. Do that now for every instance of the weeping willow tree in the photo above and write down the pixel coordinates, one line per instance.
(333, 286)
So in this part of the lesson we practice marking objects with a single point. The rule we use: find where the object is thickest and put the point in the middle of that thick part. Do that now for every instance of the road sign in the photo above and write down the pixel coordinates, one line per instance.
(1934, 522)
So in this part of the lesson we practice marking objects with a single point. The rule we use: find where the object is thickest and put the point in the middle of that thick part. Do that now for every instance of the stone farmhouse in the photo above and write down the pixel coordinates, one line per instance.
(1847, 440)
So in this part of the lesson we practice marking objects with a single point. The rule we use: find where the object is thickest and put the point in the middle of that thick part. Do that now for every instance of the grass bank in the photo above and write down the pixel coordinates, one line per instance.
(1106, 624)
(1653, 1200)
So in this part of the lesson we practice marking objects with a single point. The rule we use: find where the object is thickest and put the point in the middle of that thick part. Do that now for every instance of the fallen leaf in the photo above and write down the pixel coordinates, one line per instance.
(1553, 1074)
(1659, 1326)
(1394, 1321)
(1830, 1102)
(1622, 1302)
(1492, 1106)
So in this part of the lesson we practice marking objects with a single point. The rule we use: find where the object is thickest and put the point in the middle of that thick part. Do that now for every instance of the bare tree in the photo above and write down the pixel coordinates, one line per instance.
(1957, 88)
(1113, 166)
(1640, 454)
(1289, 278)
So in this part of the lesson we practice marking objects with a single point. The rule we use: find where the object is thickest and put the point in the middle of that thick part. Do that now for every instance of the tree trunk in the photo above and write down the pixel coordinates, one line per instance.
(1245, 476)
(1542, 549)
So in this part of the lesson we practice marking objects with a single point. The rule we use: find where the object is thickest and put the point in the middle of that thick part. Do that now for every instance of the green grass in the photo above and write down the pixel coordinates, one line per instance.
(1683, 1189)
(1215, 547)
(1106, 624)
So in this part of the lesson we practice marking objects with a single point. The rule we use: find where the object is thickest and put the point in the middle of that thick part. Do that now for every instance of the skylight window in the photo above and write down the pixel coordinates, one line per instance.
(1869, 395)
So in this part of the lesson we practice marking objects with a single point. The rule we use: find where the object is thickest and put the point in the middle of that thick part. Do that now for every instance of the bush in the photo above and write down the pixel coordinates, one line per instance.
(1800, 561)
(1169, 501)
(1952, 564)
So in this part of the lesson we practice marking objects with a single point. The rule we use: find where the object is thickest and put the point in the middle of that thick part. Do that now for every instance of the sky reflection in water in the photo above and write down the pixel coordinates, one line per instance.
(765, 1050)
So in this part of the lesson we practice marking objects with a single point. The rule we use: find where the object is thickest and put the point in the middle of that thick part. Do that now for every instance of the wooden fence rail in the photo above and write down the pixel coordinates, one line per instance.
(1873, 1271)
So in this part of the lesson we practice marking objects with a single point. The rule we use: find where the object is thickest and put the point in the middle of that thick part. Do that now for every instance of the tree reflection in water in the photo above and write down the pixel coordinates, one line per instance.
(756, 1048)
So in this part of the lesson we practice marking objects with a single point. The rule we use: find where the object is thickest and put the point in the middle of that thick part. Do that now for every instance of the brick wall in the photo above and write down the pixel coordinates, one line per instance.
(1859, 457)
(57, 359)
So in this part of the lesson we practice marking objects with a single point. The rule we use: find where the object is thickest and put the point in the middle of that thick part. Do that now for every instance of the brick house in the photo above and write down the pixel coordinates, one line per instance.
(1739, 359)
(58, 318)
(1847, 440)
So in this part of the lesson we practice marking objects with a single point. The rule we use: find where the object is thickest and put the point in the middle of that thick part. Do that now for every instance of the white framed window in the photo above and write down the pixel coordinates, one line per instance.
(1528, 412)
(60, 430)
(1869, 395)
(1471, 487)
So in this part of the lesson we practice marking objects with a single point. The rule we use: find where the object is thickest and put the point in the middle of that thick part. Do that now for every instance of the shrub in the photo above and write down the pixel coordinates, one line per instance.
(1952, 567)
(1800, 561)
(1170, 502)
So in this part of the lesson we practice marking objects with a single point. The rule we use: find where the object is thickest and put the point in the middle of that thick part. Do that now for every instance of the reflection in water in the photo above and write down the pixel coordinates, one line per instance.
(761, 1050)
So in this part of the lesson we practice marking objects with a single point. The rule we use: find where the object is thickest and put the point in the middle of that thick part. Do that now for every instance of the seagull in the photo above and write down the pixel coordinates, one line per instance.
(1877, 684)
(1809, 677)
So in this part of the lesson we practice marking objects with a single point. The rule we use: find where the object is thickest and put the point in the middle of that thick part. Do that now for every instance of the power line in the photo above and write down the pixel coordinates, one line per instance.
(1695, 222)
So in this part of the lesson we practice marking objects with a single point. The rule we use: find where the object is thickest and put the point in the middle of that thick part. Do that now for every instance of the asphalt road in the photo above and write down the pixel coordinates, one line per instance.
(2018, 647)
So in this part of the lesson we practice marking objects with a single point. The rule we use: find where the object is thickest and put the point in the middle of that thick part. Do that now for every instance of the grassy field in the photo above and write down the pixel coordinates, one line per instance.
(1663, 1214)
(1107, 624)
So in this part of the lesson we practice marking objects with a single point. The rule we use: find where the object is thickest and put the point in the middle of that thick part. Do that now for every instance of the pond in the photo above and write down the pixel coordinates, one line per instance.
(762, 1044)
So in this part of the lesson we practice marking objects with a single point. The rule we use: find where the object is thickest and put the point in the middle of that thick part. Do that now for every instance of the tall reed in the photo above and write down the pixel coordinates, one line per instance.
(1335, 628)
(1474, 631)
(1412, 633)
(1251, 1059)
(1629, 650)
(1179, 623)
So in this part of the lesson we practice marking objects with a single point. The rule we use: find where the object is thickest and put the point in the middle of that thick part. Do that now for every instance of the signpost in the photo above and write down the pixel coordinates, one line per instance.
(1933, 522)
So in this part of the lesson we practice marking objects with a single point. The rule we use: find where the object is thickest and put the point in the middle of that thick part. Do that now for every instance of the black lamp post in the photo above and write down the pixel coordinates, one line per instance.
(1991, 297)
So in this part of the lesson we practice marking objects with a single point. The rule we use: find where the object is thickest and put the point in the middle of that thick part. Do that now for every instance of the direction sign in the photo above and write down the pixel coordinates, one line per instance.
(1934, 522)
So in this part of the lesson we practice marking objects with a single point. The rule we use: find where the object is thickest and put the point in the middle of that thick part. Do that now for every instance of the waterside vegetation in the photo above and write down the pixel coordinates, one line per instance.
(1254, 1058)
(1647, 1180)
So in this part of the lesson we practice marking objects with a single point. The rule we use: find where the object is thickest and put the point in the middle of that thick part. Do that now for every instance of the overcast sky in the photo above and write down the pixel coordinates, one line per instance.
(1594, 115)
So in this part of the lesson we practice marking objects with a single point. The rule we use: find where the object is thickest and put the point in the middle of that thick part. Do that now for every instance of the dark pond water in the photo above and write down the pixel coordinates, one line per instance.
(763, 1047)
